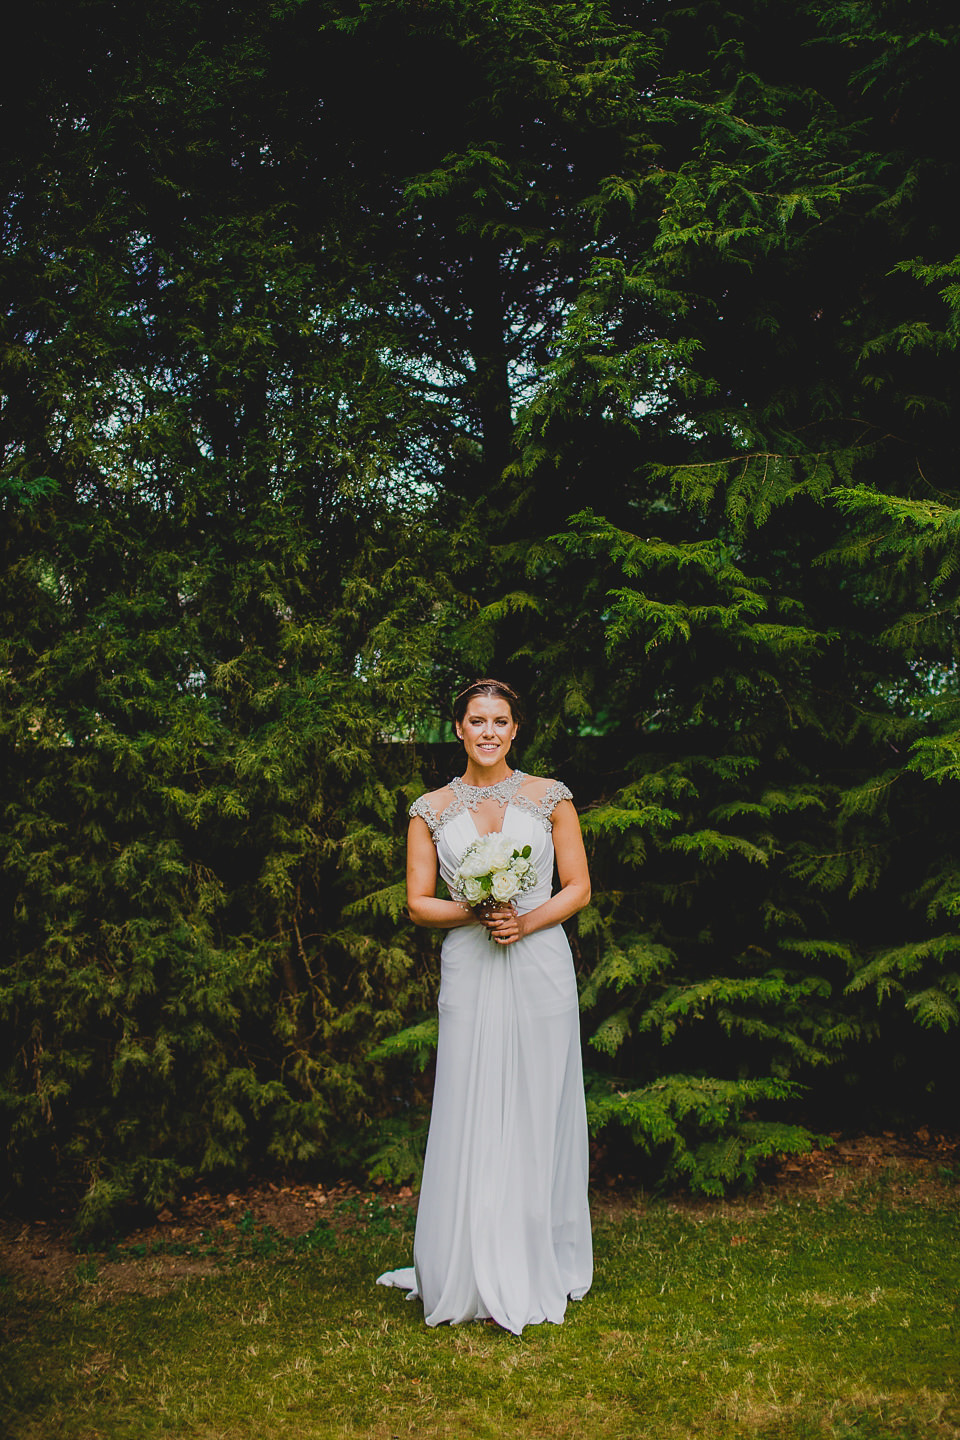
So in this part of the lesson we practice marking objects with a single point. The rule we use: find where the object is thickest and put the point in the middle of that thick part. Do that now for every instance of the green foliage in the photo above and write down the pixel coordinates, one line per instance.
(418, 1041)
(205, 589)
(620, 361)
(697, 1127)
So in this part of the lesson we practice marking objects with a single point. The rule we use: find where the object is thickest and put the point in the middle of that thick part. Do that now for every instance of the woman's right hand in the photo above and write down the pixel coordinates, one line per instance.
(503, 924)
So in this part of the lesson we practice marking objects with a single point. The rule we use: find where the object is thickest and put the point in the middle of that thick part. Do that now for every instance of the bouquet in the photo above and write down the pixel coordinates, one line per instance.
(493, 871)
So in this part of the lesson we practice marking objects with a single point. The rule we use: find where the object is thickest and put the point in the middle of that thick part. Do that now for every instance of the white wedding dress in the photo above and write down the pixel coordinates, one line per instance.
(503, 1225)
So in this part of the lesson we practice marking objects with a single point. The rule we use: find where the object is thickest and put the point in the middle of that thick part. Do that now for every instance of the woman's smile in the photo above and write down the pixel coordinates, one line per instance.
(487, 731)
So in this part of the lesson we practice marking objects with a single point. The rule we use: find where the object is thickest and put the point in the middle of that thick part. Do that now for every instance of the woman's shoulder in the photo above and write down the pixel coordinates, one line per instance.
(543, 793)
(543, 785)
(431, 805)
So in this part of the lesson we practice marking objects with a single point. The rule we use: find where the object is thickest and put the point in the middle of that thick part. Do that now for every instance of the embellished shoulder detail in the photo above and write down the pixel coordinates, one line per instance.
(543, 808)
(466, 797)
(557, 792)
(425, 810)
(504, 792)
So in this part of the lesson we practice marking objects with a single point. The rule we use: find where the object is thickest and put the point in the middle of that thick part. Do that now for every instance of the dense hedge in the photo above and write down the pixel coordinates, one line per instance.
(621, 361)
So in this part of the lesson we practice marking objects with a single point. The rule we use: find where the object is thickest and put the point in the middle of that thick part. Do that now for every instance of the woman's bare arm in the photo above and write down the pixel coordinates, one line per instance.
(423, 905)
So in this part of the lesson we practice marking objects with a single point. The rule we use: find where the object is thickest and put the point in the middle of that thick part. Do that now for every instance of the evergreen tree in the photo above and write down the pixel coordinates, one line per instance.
(757, 382)
(617, 360)
(213, 611)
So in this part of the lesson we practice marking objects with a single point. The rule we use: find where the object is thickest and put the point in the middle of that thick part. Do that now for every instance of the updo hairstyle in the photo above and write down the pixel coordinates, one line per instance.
(487, 687)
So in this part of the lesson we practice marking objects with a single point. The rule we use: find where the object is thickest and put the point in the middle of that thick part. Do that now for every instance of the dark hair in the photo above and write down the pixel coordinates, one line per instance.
(487, 687)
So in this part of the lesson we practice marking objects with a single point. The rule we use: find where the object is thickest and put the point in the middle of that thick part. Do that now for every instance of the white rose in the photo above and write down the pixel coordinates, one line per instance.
(473, 891)
(520, 866)
(504, 886)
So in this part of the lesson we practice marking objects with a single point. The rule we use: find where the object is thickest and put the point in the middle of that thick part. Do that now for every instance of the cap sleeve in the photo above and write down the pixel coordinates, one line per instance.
(556, 792)
(425, 810)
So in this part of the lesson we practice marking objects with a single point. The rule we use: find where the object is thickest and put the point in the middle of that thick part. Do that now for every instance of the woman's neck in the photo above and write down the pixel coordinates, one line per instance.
(482, 778)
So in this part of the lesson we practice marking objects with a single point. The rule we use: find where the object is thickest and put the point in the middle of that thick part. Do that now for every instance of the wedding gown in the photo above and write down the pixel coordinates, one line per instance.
(503, 1225)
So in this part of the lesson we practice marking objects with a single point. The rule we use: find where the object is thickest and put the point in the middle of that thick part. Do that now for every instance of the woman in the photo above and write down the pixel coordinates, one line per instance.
(503, 1226)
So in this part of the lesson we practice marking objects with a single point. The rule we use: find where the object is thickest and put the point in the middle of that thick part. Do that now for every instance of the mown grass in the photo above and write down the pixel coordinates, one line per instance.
(797, 1321)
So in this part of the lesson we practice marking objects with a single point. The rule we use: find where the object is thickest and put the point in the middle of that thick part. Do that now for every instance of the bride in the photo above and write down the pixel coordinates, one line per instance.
(503, 1226)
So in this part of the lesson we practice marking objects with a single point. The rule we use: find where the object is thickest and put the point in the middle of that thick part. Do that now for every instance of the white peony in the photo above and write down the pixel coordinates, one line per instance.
(473, 863)
(500, 851)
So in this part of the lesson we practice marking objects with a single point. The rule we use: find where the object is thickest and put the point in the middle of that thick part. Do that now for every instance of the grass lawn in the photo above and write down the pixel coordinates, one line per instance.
(801, 1317)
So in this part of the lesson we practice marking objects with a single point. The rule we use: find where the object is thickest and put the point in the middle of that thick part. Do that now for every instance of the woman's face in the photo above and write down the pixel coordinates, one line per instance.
(487, 729)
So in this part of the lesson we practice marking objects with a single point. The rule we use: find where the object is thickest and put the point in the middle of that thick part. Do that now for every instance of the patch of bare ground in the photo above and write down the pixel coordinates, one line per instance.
(193, 1237)
(923, 1166)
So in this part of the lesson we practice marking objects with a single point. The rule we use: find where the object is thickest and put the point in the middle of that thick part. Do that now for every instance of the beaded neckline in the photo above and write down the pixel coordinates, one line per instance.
(471, 796)
(504, 792)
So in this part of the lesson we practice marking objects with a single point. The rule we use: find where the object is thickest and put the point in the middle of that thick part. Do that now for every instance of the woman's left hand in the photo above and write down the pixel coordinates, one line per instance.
(503, 923)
